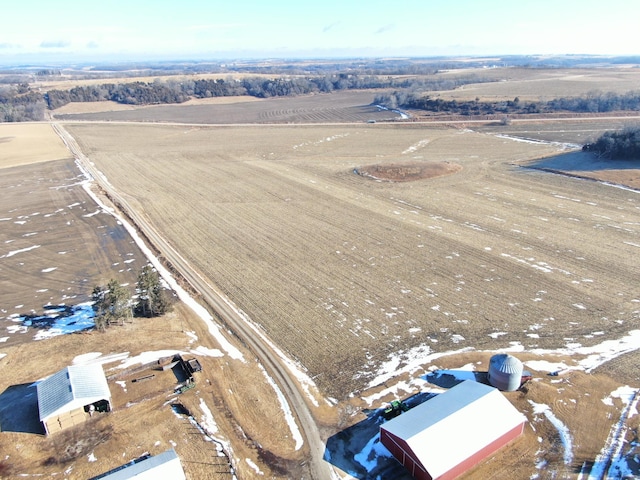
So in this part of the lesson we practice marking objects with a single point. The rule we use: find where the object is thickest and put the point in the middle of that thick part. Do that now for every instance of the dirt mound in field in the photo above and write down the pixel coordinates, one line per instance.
(407, 172)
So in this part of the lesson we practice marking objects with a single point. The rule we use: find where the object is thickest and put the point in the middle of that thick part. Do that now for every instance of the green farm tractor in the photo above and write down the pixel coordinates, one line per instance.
(395, 408)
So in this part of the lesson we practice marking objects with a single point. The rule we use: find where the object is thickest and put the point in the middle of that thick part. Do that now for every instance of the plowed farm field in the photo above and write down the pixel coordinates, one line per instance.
(354, 276)
(350, 106)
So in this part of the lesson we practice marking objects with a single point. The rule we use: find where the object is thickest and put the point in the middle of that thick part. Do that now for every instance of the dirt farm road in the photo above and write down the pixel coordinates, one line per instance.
(318, 467)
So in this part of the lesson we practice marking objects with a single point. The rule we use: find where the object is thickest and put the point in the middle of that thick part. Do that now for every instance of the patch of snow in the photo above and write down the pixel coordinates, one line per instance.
(15, 252)
(17, 329)
(544, 366)
(147, 357)
(50, 269)
(85, 358)
(464, 373)
(594, 356)
(368, 456)
(611, 452)
(254, 466)
(563, 431)
(207, 352)
(91, 457)
(413, 148)
(97, 358)
(291, 421)
(394, 389)
(408, 361)
(207, 421)
(294, 368)
(497, 334)
(194, 337)
(73, 319)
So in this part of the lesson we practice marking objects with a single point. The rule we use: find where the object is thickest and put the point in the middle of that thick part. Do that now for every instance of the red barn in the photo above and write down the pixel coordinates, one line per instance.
(450, 433)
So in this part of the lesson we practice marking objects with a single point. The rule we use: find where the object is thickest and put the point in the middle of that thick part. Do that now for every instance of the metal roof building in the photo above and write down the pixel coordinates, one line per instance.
(63, 396)
(450, 433)
(165, 465)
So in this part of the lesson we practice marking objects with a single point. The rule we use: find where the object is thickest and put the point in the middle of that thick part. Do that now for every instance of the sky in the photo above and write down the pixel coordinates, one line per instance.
(86, 30)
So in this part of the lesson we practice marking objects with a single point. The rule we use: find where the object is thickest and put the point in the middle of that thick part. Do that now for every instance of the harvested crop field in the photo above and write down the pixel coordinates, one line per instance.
(354, 277)
(350, 106)
(56, 243)
(544, 84)
(26, 143)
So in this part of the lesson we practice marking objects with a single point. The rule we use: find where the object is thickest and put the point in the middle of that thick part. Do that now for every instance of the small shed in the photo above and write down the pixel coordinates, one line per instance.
(164, 465)
(452, 432)
(70, 396)
(505, 372)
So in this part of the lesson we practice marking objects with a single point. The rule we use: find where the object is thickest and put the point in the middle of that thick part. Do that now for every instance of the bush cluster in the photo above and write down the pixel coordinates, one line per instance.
(624, 144)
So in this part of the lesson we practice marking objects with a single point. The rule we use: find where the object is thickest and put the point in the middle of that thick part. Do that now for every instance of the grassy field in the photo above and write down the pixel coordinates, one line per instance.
(347, 273)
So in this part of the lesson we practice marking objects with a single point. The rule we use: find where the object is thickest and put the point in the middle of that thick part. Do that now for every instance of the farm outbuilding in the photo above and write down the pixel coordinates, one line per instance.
(164, 465)
(70, 396)
(452, 432)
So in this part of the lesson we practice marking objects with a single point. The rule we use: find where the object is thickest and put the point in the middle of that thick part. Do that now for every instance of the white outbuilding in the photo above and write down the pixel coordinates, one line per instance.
(72, 395)
(165, 465)
(453, 431)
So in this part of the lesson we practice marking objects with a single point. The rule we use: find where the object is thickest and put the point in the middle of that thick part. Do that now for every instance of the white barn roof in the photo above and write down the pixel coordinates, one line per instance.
(164, 465)
(70, 388)
(454, 426)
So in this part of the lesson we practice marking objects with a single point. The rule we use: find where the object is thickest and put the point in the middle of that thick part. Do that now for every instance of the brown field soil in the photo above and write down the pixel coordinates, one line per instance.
(408, 172)
(360, 272)
(544, 84)
(25, 143)
(56, 244)
(338, 107)
(75, 108)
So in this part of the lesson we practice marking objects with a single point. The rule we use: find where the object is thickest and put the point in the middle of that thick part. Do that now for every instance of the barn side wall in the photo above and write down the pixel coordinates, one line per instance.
(403, 454)
(485, 452)
(65, 420)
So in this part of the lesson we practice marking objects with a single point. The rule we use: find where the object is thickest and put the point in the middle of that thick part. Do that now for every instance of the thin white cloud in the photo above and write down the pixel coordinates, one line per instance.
(330, 27)
(214, 26)
(54, 44)
(386, 28)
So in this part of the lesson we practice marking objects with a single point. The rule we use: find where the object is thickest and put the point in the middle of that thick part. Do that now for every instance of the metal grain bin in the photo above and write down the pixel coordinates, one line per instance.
(505, 372)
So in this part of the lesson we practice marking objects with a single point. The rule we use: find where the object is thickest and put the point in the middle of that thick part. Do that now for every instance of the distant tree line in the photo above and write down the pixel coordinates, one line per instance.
(178, 91)
(114, 304)
(624, 144)
(18, 103)
(594, 102)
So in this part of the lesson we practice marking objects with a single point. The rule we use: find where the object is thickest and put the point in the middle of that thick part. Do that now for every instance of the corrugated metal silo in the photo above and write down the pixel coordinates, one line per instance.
(505, 372)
